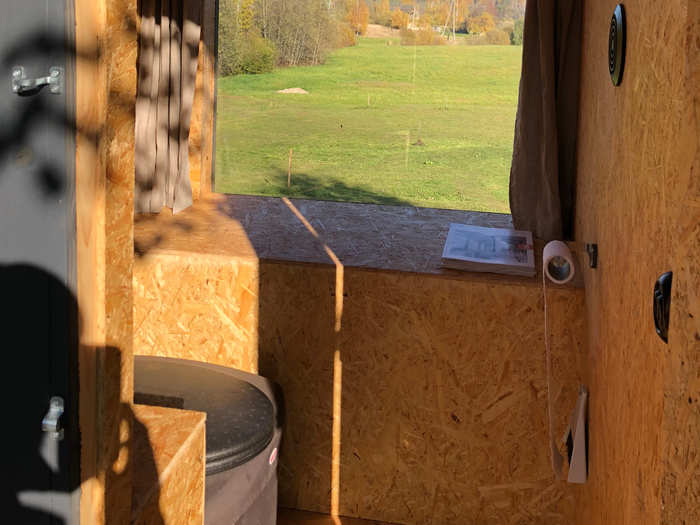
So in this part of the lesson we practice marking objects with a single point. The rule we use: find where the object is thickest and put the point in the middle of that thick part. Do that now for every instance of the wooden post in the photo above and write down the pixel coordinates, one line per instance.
(408, 143)
(289, 170)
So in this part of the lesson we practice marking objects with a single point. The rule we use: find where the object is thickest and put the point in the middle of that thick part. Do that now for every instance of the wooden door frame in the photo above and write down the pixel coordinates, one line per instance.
(106, 49)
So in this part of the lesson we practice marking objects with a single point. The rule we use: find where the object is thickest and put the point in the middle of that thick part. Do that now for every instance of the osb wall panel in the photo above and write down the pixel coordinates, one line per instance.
(442, 398)
(636, 200)
(168, 479)
(105, 97)
(208, 53)
(202, 126)
(195, 138)
(681, 484)
(197, 307)
(300, 517)
(119, 150)
(443, 404)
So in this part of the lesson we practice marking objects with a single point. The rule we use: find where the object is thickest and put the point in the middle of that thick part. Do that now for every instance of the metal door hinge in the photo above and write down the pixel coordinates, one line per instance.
(52, 420)
(23, 85)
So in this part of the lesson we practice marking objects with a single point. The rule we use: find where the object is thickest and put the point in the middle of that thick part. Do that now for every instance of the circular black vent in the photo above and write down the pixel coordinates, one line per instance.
(616, 45)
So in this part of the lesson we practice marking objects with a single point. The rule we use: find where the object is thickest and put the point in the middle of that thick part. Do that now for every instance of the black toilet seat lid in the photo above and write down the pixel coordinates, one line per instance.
(240, 418)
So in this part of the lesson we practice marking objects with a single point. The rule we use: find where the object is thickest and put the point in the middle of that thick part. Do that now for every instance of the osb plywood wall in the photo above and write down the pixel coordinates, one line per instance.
(169, 477)
(681, 484)
(436, 392)
(199, 307)
(105, 97)
(442, 387)
(639, 199)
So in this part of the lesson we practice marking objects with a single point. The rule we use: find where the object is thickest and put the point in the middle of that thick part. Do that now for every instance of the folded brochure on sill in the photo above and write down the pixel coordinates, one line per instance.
(497, 250)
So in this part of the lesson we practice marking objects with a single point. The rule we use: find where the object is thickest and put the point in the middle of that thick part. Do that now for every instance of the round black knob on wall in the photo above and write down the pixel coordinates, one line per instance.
(616, 45)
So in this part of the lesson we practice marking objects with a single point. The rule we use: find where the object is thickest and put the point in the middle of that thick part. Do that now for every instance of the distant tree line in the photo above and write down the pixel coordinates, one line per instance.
(255, 36)
(493, 21)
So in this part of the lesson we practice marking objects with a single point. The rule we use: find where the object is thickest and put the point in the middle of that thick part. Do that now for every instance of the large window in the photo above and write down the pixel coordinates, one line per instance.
(378, 101)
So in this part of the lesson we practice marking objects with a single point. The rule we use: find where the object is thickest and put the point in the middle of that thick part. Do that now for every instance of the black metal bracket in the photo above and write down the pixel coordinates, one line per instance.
(662, 304)
(592, 251)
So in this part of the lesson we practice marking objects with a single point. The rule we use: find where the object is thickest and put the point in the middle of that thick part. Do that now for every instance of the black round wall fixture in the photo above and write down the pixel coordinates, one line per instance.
(616, 45)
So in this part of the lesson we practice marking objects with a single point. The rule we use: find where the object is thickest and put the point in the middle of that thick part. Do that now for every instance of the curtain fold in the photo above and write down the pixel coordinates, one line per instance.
(543, 171)
(169, 37)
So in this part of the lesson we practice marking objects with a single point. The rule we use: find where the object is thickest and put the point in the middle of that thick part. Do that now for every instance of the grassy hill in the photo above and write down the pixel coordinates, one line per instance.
(426, 126)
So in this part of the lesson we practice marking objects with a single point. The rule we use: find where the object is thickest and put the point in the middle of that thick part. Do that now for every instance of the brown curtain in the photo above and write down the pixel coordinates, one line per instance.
(543, 172)
(168, 52)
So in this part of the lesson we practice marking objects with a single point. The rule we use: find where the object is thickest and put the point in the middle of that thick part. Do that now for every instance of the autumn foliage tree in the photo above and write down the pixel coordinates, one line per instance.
(382, 12)
(257, 35)
(358, 16)
(480, 24)
(437, 12)
(242, 49)
(303, 31)
(516, 37)
(246, 15)
(399, 19)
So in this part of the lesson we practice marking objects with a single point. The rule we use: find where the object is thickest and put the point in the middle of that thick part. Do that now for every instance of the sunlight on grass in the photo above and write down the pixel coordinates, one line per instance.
(375, 129)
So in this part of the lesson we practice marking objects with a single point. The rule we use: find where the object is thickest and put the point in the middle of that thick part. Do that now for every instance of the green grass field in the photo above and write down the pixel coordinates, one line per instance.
(427, 126)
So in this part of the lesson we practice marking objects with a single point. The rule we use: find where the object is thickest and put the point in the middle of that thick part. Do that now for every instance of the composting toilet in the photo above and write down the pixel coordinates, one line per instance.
(242, 432)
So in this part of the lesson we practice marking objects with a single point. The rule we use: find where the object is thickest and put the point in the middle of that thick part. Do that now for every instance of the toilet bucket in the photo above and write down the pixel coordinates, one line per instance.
(243, 432)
